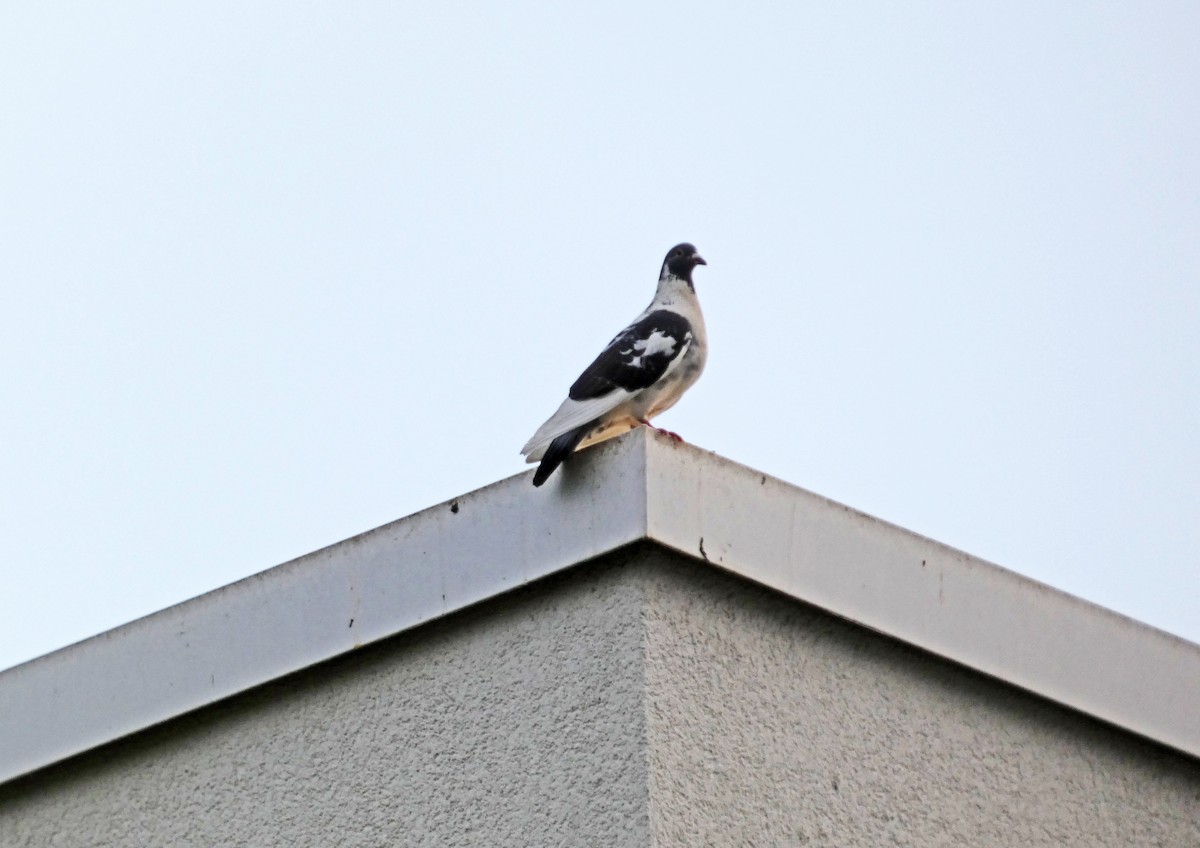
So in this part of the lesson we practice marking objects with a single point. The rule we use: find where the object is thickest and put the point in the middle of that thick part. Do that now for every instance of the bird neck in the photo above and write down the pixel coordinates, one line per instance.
(673, 290)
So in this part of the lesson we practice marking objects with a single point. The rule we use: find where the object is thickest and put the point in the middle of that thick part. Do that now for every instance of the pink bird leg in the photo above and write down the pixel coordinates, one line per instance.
(667, 433)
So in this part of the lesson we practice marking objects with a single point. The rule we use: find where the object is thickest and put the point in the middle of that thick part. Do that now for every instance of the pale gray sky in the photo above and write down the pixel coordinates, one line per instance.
(274, 274)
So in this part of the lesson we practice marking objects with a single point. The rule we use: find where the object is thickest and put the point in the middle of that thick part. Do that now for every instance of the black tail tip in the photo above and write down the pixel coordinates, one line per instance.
(560, 449)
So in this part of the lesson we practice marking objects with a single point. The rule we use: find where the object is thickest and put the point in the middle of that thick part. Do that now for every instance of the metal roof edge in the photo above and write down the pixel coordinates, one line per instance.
(927, 594)
(323, 604)
(508, 534)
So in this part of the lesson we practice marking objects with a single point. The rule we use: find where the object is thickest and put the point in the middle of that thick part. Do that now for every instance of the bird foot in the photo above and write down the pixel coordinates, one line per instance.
(666, 433)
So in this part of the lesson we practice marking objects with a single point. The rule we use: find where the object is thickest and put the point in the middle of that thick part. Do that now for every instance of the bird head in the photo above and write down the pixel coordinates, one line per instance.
(680, 261)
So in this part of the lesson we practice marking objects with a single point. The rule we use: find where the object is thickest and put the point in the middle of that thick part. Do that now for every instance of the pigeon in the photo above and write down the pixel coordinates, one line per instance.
(643, 371)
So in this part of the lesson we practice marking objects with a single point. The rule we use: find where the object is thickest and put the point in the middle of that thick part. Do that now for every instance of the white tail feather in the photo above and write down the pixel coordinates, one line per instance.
(571, 414)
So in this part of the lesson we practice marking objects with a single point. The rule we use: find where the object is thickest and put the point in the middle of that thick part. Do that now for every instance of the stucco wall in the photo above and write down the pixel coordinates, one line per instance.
(771, 723)
(515, 723)
(644, 699)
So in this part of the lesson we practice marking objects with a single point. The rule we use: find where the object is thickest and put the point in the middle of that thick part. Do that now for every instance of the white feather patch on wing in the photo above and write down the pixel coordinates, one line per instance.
(571, 414)
(658, 342)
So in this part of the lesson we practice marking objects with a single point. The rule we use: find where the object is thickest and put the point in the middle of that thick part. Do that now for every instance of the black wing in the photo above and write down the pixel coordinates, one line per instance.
(636, 358)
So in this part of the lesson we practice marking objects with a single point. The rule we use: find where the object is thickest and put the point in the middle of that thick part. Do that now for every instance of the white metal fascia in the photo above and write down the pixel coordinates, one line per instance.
(926, 594)
(508, 534)
(316, 607)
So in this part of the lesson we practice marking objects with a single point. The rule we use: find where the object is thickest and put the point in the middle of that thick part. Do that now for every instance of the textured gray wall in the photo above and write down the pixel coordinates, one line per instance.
(772, 723)
(650, 702)
(516, 723)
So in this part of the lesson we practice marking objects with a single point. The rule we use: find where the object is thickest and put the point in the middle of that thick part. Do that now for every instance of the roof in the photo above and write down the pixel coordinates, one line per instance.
(639, 487)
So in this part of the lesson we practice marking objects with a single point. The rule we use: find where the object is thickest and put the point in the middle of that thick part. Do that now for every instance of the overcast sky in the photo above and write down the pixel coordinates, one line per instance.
(275, 273)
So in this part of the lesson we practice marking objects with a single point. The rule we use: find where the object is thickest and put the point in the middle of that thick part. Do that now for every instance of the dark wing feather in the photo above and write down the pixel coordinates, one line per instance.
(624, 364)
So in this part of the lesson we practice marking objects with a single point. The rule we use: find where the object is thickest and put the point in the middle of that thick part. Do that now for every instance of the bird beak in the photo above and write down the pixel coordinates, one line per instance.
(698, 259)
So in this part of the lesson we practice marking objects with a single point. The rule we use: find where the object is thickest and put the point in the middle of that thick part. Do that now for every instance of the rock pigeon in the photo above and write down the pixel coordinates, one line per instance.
(642, 371)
